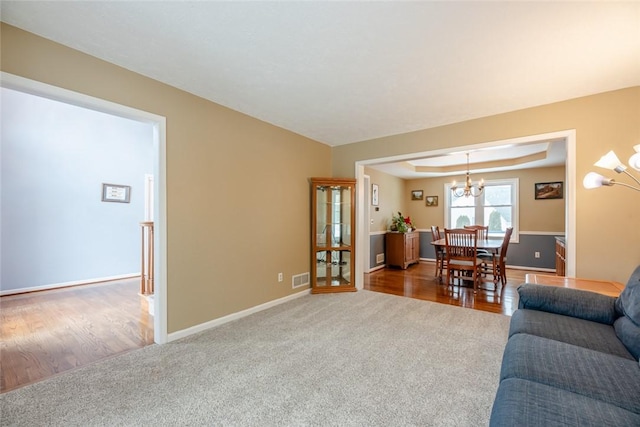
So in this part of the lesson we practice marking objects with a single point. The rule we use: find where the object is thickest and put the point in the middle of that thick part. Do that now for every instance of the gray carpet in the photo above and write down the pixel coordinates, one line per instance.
(354, 359)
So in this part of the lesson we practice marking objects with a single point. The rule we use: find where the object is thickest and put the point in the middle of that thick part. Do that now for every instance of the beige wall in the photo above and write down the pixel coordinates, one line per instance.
(237, 188)
(535, 215)
(391, 199)
(607, 219)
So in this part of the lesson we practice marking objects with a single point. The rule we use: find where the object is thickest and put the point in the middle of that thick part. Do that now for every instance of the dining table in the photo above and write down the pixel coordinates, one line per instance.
(490, 245)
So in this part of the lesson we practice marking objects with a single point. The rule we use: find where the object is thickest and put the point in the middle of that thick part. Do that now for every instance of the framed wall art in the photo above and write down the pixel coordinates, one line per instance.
(116, 193)
(374, 194)
(416, 194)
(549, 190)
(431, 200)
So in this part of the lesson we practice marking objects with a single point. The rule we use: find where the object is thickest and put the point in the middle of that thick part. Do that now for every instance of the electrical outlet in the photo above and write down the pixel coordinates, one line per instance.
(280, 277)
(537, 254)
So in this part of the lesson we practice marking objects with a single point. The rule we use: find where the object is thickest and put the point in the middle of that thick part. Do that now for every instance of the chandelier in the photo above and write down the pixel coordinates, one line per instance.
(469, 189)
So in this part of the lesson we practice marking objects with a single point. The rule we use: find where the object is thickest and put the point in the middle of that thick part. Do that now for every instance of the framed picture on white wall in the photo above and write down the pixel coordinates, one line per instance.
(116, 193)
(374, 194)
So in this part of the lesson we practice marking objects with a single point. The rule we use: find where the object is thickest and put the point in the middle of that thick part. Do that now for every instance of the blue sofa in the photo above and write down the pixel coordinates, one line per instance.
(571, 359)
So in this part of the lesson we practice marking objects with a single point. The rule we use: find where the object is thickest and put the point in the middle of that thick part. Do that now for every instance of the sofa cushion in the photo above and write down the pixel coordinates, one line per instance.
(583, 333)
(569, 302)
(629, 334)
(590, 373)
(520, 402)
(628, 303)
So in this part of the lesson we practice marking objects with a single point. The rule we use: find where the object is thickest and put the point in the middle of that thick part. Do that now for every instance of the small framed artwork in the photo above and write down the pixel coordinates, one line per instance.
(431, 200)
(416, 194)
(374, 194)
(549, 190)
(116, 193)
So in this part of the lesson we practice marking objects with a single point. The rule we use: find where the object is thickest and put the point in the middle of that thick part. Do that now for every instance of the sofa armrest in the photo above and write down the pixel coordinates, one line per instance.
(569, 302)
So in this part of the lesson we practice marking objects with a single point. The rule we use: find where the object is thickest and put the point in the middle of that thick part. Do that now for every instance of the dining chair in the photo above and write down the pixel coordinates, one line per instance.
(501, 260)
(483, 234)
(440, 251)
(497, 269)
(461, 247)
(483, 254)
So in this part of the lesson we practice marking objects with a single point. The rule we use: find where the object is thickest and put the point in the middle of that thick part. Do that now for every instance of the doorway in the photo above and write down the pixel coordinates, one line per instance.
(158, 124)
(362, 208)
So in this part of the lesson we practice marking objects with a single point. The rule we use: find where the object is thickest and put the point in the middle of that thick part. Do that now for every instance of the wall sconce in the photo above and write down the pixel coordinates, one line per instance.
(611, 161)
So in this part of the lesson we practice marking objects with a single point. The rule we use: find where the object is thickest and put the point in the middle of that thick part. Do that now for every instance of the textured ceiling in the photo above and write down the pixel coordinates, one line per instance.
(342, 72)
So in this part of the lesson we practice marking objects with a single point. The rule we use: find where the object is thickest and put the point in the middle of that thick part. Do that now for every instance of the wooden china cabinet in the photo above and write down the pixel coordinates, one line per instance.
(333, 235)
(560, 256)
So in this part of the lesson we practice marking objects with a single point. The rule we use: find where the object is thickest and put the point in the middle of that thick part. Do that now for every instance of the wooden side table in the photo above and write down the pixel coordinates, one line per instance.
(612, 289)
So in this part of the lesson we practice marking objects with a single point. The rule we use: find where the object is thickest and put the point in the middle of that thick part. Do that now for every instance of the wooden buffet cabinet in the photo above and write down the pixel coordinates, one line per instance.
(402, 249)
(560, 257)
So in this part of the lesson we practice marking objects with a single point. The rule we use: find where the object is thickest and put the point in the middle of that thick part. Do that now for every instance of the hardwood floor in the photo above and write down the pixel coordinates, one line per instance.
(419, 281)
(48, 332)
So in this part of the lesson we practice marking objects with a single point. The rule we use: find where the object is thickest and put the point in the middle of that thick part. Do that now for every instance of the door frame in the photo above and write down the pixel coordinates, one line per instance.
(44, 90)
(569, 136)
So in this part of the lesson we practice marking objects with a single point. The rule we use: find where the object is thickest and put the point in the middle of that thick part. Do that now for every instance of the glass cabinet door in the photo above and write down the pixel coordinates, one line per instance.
(333, 268)
(333, 237)
(333, 213)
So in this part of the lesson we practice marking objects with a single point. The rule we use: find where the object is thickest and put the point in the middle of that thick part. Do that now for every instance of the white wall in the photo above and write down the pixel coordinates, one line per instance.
(54, 158)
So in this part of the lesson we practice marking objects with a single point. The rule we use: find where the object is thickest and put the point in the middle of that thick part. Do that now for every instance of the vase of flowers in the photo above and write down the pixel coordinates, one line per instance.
(401, 223)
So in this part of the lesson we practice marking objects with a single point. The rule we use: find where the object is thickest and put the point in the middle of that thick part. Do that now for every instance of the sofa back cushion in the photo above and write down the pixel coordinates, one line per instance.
(628, 303)
(629, 334)
(569, 302)
(628, 306)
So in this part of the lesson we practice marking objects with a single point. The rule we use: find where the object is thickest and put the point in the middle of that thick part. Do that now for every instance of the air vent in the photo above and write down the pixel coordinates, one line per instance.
(300, 280)
(379, 258)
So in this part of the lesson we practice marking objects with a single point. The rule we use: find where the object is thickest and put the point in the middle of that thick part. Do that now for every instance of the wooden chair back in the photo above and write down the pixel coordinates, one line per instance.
(500, 267)
(439, 251)
(483, 230)
(462, 255)
(435, 233)
(505, 244)
(461, 244)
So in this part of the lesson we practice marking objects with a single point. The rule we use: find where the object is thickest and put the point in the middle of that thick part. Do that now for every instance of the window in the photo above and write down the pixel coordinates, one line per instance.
(497, 207)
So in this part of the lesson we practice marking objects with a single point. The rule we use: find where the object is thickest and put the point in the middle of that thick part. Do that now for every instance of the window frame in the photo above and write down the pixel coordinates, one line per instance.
(515, 204)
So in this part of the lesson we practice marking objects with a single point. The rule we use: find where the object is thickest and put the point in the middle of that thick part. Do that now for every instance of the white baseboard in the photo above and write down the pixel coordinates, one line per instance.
(67, 284)
(233, 316)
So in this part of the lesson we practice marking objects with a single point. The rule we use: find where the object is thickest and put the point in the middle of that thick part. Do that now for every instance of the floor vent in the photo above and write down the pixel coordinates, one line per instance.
(300, 280)
(379, 258)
